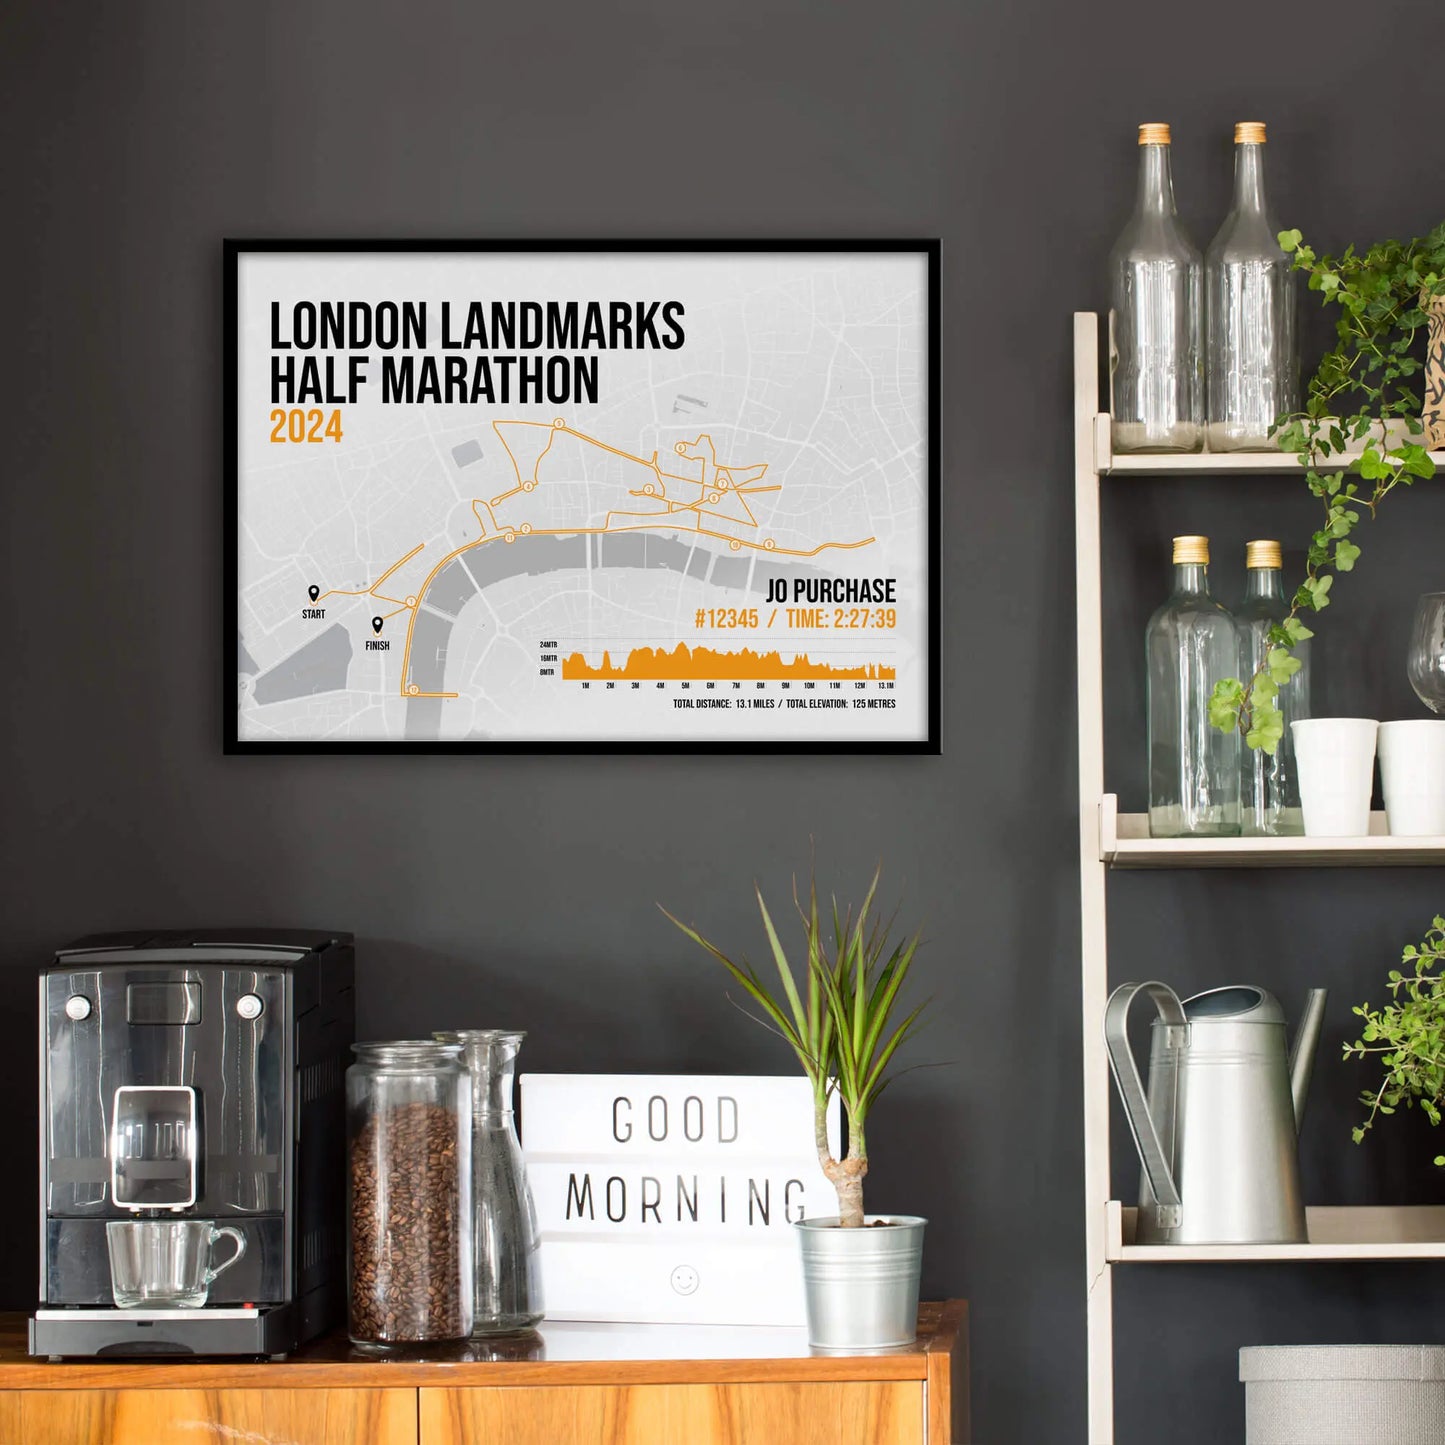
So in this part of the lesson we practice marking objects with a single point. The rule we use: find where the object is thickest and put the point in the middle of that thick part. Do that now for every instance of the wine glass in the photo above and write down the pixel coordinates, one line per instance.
(1427, 651)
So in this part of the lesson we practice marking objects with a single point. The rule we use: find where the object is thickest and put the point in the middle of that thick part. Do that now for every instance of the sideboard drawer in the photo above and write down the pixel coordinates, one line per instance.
(824, 1412)
(207, 1417)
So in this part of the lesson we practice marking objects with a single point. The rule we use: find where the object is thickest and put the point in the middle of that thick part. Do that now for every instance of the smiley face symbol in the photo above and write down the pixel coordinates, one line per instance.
(684, 1279)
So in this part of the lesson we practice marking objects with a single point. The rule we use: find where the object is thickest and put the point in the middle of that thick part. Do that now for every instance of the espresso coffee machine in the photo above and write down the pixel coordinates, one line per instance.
(199, 1076)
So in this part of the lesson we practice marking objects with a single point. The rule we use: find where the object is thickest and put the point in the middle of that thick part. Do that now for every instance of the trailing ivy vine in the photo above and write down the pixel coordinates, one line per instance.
(1363, 383)
(1408, 1035)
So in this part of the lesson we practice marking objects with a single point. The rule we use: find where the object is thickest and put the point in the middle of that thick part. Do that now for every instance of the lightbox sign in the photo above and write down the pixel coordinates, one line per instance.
(670, 1198)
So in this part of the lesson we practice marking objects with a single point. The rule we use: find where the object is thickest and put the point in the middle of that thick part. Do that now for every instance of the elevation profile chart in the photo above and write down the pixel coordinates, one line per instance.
(582, 498)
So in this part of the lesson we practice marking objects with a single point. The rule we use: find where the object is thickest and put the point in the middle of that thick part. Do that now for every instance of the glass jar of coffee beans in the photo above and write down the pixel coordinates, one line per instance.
(409, 1276)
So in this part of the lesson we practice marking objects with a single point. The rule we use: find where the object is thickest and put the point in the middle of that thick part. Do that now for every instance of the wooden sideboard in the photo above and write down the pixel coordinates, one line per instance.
(590, 1384)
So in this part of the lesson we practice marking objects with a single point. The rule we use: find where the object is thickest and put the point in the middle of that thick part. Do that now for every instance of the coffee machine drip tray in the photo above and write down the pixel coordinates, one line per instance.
(212, 1330)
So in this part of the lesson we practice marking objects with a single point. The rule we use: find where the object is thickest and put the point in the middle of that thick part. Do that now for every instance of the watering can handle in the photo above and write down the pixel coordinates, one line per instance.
(1153, 1153)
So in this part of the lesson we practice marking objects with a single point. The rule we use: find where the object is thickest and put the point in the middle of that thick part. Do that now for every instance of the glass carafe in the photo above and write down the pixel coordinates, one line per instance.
(1271, 804)
(505, 1245)
(1193, 767)
(1156, 317)
(1253, 365)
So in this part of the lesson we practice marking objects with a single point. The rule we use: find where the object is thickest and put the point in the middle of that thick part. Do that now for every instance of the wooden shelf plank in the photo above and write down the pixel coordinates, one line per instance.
(1337, 1233)
(1163, 464)
(1124, 842)
(1218, 464)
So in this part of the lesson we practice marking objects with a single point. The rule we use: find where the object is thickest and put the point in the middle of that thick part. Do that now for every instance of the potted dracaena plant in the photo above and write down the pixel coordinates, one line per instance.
(839, 1011)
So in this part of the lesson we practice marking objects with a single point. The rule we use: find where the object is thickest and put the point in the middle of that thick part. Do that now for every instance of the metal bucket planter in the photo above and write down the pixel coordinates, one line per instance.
(861, 1285)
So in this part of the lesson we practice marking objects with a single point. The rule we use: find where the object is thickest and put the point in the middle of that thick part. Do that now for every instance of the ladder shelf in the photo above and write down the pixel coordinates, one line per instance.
(1109, 839)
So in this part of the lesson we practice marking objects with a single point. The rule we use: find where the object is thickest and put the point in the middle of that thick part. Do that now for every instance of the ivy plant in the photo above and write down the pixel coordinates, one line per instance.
(1364, 383)
(1408, 1035)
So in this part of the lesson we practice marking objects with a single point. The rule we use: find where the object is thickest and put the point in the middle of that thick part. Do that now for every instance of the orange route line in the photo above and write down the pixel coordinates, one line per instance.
(664, 521)
(416, 612)
(674, 507)
(405, 559)
(371, 591)
(601, 446)
(734, 542)
(511, 456)
(756, 471)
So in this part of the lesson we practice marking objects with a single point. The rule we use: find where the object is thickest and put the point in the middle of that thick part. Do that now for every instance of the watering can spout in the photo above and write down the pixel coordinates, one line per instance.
(1302, 1054)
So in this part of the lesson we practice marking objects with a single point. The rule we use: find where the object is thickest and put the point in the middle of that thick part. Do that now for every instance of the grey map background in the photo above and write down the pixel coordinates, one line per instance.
(521, 891)
(814, 364)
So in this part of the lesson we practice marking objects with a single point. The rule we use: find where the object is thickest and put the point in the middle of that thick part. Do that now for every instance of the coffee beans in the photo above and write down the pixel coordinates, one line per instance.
(407, 1255)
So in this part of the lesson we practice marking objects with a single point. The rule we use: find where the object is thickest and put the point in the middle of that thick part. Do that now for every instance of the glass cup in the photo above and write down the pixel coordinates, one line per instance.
(166, 1263)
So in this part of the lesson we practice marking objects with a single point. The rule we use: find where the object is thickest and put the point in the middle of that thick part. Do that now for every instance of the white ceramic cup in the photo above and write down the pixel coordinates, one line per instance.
(1335, 757)
(1412, 771)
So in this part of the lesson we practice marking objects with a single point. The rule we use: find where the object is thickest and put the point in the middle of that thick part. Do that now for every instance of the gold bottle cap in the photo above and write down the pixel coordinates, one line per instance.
(1262, 554)
(1154, 133)
(1249, 133)
(1191, 551)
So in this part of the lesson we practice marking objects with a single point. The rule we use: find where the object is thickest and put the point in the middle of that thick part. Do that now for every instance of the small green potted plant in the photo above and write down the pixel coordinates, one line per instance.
(840, 1013)
(1408, 1035)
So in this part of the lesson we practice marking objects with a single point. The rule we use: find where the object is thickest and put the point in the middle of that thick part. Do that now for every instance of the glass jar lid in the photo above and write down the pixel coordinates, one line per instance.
(408, 1054)
(479, 1036)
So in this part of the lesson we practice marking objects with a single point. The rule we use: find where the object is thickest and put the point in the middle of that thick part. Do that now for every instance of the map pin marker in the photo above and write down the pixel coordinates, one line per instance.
(376, 623)
(313, 591)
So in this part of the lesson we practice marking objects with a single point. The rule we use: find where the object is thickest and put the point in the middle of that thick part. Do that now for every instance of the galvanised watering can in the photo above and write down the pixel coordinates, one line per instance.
(1217, 1133)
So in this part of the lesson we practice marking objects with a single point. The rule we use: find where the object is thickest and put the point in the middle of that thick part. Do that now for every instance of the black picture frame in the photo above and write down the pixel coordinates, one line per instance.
(235, 249)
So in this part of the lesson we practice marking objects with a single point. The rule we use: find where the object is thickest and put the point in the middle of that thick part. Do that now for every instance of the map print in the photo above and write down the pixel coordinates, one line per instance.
(702, 522)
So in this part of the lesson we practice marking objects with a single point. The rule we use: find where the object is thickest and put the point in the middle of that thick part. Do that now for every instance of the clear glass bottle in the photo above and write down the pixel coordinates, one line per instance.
(505, 1243)
(1156, 317)
(1250, 304)
(409, 1185)
(1193, 767)
(1271, 804)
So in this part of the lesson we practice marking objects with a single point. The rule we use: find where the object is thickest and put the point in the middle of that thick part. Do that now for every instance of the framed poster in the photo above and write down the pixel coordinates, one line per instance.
(574, 496)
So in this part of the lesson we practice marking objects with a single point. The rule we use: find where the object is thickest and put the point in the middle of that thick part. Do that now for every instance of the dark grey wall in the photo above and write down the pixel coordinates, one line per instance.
(136, 136)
